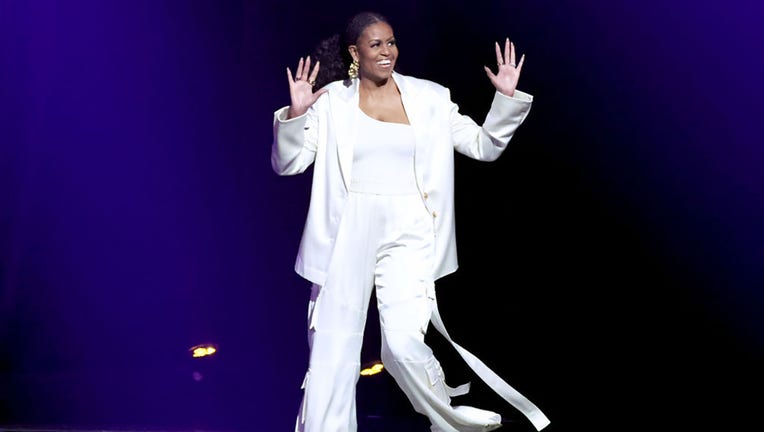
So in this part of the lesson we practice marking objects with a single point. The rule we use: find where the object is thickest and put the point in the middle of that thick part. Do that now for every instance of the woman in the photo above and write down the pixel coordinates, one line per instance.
(381, 217)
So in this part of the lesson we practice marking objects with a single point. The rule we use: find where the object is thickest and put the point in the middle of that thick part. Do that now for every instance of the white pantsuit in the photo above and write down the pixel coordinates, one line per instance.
(399, 240)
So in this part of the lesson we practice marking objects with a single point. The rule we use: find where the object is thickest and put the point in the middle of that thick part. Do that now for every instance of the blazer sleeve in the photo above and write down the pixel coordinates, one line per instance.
(488, 142)
(295, 141)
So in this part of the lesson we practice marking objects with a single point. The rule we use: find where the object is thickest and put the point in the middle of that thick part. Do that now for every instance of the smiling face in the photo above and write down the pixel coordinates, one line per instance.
(376, 52)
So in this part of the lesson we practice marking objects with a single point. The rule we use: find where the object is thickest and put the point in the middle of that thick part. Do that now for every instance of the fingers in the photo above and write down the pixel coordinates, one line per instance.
(303, 71)
(306, 68)
(489, 73)
(508, 56)
(298, 71)
(522, 60)
(314, 74)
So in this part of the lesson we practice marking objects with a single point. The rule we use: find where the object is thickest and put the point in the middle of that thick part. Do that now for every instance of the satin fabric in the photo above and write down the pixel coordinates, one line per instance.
(383, 241)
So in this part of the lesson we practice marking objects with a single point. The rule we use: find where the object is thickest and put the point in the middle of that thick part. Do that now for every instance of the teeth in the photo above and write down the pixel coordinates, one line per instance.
(384, 62)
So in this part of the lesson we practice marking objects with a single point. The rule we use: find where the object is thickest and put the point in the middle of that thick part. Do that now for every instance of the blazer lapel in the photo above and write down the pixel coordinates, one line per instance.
(345, 111)
(418, 117)
(409, 97)
(345, 118)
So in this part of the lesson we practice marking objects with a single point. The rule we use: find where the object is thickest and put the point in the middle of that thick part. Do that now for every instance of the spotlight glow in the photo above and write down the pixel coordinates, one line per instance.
(372, 369)
(203, 350)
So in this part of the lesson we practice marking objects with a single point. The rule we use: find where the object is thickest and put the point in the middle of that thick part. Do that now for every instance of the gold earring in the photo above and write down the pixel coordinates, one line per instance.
(353, 70)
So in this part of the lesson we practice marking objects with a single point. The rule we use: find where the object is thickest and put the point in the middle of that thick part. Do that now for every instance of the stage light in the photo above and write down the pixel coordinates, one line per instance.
(203, 350)
(372, 368)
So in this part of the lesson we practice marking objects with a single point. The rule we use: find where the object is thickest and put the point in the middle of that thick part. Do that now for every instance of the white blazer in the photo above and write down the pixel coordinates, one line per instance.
(324, 136)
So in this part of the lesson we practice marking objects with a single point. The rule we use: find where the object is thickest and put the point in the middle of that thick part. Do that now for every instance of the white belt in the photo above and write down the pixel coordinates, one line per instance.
(498, 385)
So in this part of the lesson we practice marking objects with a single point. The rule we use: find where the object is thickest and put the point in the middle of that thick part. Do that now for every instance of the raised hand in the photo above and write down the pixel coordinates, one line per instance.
(301, 88)
(505, 79)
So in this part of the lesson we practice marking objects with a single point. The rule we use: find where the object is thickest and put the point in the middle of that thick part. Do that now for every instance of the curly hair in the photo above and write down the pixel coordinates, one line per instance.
(332, 52)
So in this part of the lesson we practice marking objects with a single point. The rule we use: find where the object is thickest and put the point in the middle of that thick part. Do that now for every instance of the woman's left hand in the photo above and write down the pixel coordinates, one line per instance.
(505, 80)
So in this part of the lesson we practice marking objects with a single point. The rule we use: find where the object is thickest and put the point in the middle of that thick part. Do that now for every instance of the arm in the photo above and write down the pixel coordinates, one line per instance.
(294, 142)
(508, 110)
(488, 142)
(295, 126)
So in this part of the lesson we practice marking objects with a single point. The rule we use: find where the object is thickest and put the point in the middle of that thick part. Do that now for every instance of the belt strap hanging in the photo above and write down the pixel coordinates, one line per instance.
(494, 381)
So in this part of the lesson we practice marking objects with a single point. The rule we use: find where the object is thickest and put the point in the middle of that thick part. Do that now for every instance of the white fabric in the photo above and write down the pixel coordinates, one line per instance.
(383, 240)
(383, 157)
(325, 136)
(498, 385)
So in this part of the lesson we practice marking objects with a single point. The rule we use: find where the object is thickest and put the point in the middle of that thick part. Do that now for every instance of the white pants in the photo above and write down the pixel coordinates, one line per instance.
(384, 241)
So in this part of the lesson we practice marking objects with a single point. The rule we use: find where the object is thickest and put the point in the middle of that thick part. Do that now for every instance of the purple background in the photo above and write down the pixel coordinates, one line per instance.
(611, 260)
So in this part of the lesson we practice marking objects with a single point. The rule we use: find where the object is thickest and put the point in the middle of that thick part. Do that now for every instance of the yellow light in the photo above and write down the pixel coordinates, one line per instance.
(372, 369)
(203, 350)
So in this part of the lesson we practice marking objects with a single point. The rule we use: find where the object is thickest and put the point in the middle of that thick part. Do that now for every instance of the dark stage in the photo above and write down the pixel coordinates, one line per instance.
(611, 261)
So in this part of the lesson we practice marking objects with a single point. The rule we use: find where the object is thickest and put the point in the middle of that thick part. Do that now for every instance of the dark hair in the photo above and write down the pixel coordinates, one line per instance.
(332, 52)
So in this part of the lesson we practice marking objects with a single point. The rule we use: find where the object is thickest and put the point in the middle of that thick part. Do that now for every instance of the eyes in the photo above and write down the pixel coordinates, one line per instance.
(391, 43)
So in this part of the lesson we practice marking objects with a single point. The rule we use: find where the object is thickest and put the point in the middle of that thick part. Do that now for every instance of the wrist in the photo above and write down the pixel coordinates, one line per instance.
(506, 92)
(293, 112)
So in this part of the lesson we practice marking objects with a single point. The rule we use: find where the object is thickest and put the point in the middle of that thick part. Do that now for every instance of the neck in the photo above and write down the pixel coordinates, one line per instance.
(369, 86)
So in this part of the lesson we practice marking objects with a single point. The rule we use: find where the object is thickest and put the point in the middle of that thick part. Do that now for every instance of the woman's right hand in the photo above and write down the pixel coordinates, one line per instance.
(301, 88)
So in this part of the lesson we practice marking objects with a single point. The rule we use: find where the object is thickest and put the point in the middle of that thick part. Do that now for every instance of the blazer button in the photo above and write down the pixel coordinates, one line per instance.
(434, 214)
(425, 195)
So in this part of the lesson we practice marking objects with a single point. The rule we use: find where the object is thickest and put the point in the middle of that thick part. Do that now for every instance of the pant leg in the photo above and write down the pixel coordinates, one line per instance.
(404, 286)
(328, 403)
(336, 321)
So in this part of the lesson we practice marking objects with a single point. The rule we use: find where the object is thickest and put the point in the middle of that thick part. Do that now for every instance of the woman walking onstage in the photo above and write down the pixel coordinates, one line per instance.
(381, 216)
